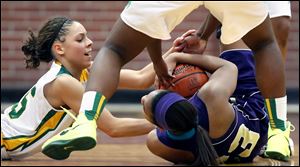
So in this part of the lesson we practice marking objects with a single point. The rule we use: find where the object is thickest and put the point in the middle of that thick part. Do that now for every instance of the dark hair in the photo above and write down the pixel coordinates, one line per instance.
(38, 48)
(181, 117)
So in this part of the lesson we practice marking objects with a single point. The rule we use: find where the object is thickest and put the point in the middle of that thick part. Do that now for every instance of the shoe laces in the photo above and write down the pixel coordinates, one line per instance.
(69, 113)
(76, 122)
(292, 127)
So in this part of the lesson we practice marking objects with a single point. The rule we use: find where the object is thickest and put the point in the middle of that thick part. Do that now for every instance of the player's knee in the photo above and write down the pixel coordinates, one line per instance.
(151, 139)
(281, 29)
(116, 51)
(283, 25)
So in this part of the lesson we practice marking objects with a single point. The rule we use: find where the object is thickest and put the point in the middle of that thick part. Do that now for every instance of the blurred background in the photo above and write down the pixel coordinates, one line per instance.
(18, 17)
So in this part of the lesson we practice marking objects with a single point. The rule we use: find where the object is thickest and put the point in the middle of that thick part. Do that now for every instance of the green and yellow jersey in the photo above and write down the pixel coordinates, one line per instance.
(26, 125)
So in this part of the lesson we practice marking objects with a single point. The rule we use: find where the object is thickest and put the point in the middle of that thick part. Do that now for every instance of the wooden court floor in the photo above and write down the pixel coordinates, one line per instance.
(132, 151)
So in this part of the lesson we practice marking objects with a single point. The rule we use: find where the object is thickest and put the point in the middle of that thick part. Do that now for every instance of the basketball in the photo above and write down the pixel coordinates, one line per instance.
(188, 79)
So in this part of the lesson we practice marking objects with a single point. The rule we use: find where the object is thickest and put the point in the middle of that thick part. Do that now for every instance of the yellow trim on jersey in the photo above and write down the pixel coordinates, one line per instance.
(100, 106)
(2, 140)
(14, 143)
(57, 62)
(84, 75)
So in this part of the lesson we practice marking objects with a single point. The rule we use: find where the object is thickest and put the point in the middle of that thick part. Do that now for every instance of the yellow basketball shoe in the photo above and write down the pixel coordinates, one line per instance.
(280, 146)
(81, 136)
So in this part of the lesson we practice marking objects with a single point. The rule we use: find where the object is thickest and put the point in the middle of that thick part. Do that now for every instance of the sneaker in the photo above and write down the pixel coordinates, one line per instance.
(280, 146)
(82, 135)
(262, 151)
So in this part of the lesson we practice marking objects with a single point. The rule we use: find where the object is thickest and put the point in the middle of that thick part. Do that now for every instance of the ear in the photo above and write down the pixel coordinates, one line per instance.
(58, 48)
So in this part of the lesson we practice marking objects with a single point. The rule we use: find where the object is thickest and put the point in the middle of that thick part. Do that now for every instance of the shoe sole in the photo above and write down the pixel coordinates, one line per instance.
(276, 155)
(61, 150)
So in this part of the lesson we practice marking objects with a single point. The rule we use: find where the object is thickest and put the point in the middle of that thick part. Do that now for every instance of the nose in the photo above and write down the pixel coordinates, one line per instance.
(90, 42)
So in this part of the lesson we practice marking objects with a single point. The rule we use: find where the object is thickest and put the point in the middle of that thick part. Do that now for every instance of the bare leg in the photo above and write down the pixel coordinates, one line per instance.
(281, 27)
(271, 81)
(270, 71)
(122, 45)
(167, 153)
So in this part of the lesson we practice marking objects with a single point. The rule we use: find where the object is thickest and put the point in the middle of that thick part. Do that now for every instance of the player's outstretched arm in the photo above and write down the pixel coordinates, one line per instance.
(139, 79)
(123, 127)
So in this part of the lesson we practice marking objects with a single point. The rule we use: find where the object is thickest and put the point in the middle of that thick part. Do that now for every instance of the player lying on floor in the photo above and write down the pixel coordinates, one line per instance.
(210, 125)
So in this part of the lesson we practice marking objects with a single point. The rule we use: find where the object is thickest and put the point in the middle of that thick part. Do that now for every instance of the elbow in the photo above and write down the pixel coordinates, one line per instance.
(112, 133)
(210, 92)
(233, 69)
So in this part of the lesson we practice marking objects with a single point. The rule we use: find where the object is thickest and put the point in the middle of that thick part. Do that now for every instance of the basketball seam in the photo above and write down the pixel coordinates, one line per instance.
(186, 76)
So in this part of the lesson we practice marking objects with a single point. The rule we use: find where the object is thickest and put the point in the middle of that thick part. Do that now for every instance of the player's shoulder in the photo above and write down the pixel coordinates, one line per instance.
(65, 81)
(63, 85)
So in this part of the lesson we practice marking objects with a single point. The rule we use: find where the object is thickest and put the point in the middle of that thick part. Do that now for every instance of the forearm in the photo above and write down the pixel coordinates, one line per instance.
(147, 74)
(206, 62)
(126, 127)
(154, 50)
(139, 79)
(122, 127)
(208, 27)
(136, 80)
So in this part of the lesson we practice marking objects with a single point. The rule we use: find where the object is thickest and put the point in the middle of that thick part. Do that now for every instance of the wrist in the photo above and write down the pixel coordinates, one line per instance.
(175, 56)
(157, 60)
(172, 58)
(202, 36)
(170, 51)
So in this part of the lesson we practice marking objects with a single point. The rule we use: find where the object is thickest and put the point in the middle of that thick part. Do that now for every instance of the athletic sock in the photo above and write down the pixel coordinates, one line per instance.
(277, 111)
(92, 104)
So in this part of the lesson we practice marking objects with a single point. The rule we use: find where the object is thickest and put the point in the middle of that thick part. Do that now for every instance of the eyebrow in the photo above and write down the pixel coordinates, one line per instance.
(81, 34)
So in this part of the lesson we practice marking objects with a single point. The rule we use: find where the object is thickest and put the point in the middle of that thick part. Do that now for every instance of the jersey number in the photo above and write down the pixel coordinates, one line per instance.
(246, 139)
(19, 108)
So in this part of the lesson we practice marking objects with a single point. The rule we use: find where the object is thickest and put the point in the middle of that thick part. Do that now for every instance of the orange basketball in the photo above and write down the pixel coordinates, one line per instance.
(188, 79)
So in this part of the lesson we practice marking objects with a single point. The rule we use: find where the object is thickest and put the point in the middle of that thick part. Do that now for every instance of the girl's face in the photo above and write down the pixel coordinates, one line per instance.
(77, 47)
(147, 101)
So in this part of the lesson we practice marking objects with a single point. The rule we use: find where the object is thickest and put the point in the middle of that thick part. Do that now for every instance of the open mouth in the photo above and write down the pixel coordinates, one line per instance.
(88, 53)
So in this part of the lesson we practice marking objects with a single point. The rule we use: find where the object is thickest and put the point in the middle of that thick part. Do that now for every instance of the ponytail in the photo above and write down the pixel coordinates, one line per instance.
(207, 155)
(29, 49)
(38, 48)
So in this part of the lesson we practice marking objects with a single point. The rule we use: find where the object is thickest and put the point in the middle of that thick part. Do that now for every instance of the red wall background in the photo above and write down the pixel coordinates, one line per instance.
(98, 18)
